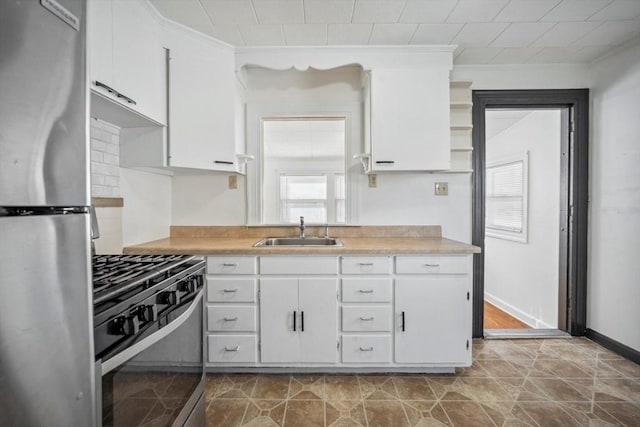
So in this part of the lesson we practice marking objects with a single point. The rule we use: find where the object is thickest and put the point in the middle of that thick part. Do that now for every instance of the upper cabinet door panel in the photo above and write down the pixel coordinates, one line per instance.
(201, 106)
(410, 119)
(101, 41)
(139, 59)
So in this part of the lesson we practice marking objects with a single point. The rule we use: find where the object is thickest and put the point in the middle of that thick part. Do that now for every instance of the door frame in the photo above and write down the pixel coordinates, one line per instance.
(573, 240)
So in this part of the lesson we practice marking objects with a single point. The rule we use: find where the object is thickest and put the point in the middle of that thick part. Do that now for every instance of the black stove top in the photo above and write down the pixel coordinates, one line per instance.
(135, 290)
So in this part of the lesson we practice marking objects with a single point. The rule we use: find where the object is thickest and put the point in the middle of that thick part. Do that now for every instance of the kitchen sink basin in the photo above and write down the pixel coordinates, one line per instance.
(299, 241)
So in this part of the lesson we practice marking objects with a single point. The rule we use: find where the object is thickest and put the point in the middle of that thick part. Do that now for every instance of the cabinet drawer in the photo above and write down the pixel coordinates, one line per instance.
(366, 265)
(366, 348)
(231, 265)
(231, 318)
(366, 290)
(299, 265)
(366, 318)
(231, 290)
(433, 264)
(232, 348)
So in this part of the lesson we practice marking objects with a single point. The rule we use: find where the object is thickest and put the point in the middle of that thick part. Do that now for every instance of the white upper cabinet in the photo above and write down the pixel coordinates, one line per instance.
(202, 103)
(408, 125)
(126, 57)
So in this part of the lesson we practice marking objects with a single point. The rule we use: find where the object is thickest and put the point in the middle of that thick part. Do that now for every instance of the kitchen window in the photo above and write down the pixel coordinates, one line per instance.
(506, 198)
(318, 198)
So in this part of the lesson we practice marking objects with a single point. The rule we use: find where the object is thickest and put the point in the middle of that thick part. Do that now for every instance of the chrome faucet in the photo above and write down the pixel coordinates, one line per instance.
(302, 227)
(326, 231)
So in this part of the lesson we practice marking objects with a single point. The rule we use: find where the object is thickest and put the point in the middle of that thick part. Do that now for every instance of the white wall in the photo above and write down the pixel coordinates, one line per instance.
(533, 76)
(614, 212)
(522, 278)
(146, 214)
(207, 200)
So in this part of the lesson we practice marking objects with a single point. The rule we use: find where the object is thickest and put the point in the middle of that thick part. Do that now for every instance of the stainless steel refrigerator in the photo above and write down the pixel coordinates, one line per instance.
(46, 333)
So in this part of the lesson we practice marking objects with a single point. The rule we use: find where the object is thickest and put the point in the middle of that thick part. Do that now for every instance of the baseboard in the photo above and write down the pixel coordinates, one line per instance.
(613, 345)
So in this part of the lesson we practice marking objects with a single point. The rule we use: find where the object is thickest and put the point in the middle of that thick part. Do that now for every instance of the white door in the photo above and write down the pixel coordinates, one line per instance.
(280, 343)
(436, 321)
(319, 308)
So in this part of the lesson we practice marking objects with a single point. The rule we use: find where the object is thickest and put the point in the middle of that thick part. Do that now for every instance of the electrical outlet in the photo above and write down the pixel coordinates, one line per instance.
(373, 180)
(442, 189)
(233, 182)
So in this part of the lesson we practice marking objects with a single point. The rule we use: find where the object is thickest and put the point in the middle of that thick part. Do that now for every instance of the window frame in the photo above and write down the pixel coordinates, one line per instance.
(521, 236)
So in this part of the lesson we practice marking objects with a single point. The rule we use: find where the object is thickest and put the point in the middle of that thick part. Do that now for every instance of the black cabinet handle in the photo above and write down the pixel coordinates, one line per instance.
(222, 162)
(403, 321)
(302, 321)
(126, 98)
(108, 88)
(385, 162)
(294, 321)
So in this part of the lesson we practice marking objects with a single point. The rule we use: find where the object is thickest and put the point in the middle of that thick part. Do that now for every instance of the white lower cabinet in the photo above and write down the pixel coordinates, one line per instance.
(433, 321)
(298, 320)
(393, 313)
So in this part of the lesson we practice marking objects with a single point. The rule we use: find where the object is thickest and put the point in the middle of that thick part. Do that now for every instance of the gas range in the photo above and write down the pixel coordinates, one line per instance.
(132, 293)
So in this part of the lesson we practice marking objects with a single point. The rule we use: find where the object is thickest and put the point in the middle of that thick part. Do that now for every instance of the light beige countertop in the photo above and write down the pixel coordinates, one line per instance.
(239, 240)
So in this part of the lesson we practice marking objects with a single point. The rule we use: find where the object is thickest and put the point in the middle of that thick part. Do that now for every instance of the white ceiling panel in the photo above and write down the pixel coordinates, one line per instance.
(229, 11)
(305, 34)
(565, 33)
(279, 11)
(477, 55)
(550, 55)
(227, 33)
(479, 34)
(525, 10)
(328, 11)
(427, 11)
(575, 10)
(515, 55)
(349, 34)
(384, 34)
(476, 10)
(521, 34)
(187, 12)
(262, 35)
(619, 10)
(611, 33)
(377, 11)
(435, 33)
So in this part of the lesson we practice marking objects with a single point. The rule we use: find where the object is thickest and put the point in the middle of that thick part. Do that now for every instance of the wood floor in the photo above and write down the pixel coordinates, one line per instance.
(494, 318)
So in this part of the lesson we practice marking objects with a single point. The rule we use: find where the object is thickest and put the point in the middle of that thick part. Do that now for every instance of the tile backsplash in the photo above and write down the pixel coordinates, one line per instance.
(105, 159)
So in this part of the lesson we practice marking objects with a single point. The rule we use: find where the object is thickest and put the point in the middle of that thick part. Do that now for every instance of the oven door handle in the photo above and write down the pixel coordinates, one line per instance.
(142, 345)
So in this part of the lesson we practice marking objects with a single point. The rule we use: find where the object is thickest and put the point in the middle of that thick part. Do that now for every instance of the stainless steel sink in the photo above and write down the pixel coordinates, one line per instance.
(299, 241)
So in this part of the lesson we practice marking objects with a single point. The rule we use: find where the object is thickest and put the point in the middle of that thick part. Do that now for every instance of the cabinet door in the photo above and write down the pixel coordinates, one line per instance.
(410, 119)
(278, 302)
(101, 42)
(437, 320)
(138, 58)
(201, 106)
(319, 306)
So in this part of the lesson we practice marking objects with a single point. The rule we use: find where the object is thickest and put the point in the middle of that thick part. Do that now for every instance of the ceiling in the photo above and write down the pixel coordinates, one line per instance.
(486, 31)
(497, 121)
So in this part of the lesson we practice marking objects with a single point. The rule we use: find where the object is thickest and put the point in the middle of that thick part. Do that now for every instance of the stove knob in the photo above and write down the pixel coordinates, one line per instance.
(126, 326)
(151, 312)
(187, 286)
(169, 298)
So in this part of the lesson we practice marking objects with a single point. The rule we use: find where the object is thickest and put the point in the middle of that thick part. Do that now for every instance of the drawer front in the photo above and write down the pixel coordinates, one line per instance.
(366, 318)
(366, 348)
(366, 290)
(231, 318)
(231, 265)
(231, 289)
(232, 348)
(434, 264)
(366, 265)
(298, 265)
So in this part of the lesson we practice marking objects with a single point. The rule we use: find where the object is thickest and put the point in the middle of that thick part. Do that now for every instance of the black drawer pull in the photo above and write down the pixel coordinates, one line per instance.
(108, 88)
(403, 321)
(126, 98)
(385, 162)
(294, 321)
(222, 162)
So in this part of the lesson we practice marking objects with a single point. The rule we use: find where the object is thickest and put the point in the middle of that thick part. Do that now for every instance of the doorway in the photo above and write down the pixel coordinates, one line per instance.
(532, 233)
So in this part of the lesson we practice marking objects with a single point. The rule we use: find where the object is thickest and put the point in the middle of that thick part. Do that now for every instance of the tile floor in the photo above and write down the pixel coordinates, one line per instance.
(545, 383)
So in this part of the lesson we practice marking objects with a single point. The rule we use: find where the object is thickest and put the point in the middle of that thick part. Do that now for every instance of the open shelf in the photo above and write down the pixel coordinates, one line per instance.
(461, 148)
(461, 104)
(461, 84)
(461, 127)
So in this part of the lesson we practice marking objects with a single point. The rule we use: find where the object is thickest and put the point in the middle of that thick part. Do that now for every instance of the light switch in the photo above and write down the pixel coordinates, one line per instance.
(442, 189)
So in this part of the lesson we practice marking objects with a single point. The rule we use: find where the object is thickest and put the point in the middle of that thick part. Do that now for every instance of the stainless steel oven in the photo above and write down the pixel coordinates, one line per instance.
(149, 343)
